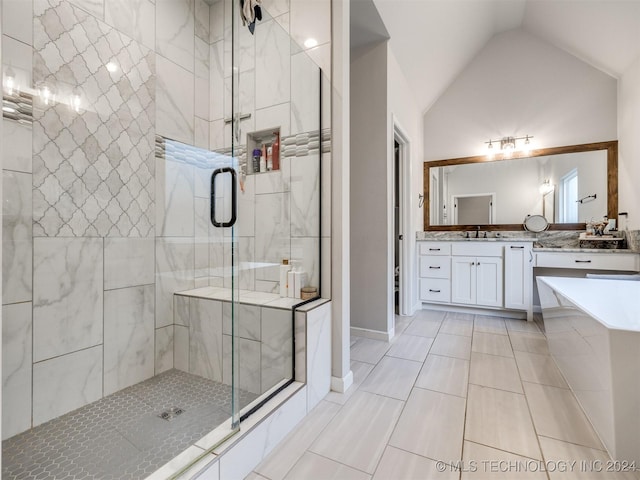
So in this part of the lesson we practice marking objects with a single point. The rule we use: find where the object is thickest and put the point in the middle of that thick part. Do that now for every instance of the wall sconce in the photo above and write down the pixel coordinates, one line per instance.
(546, 187)
(509, 145)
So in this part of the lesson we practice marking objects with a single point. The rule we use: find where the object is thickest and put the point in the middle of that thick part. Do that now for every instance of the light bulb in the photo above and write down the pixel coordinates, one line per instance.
(490, 150)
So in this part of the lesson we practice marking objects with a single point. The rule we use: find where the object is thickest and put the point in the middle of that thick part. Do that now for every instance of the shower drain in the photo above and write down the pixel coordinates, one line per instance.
(172, 413)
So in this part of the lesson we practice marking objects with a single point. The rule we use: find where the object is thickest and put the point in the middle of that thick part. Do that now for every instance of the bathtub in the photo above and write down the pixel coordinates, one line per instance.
(593, 330)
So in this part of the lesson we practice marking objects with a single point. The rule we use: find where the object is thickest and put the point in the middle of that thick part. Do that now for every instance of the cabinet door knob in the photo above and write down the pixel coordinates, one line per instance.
(473, 263)
(515, 247)
(434, 291)
(583, 261)
(435, 268)
(434, 249)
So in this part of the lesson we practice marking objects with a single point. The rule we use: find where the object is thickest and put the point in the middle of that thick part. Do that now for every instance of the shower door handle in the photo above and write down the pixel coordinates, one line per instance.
(234, 197)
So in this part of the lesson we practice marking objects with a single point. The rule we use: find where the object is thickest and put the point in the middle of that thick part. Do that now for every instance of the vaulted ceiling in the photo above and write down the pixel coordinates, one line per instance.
(433, 40)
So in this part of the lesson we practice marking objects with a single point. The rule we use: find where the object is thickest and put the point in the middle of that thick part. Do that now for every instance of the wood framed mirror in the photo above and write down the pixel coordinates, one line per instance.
(569, 185)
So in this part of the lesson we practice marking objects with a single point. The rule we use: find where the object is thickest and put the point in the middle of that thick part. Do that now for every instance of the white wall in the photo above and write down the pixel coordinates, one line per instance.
(521, 85)
(369, 189)
(629, 145)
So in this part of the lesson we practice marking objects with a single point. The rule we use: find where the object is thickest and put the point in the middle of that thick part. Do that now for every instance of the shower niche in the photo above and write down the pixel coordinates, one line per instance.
(264, 152)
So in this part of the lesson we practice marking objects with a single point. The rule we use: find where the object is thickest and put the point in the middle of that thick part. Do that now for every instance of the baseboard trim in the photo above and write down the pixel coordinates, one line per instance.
(341, 385)
(373, 334)
(475, 310)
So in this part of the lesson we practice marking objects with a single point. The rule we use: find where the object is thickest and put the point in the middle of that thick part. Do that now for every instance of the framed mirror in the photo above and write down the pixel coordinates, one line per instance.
(566, 185)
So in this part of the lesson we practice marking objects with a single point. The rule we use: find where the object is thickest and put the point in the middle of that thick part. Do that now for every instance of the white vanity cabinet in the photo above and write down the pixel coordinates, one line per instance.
(476, 277)
(491, 274)
(434, 270)
(476, 281)
(518, 275)
(629, 262)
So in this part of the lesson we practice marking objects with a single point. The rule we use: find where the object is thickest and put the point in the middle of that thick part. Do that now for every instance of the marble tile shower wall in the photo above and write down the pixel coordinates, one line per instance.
(278, 211)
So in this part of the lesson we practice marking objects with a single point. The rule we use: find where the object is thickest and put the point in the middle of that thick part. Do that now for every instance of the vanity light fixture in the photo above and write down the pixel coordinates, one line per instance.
(509, 145)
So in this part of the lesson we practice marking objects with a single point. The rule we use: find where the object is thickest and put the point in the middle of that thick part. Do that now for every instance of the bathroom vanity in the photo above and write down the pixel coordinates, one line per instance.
(497, 273)
(483, 273)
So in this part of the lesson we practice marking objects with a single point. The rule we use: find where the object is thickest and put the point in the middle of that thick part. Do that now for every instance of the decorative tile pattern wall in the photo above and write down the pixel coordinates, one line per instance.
(93, 168)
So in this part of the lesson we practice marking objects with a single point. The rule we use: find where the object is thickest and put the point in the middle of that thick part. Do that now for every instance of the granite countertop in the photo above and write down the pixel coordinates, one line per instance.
(459, 237)
(584, 250)
(492, 239)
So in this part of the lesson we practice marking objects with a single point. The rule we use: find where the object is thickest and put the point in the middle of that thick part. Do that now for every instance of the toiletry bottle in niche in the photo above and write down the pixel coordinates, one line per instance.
(263, 159)
(269, 159)
(256, 160)
(275, 148)
(284, 274)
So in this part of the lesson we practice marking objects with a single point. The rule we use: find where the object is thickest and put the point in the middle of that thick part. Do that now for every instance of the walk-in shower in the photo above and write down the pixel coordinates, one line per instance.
(145, 240)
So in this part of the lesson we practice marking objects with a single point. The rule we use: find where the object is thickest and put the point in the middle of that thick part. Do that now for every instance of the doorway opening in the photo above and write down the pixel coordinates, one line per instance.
(397, 234)
(403, 243)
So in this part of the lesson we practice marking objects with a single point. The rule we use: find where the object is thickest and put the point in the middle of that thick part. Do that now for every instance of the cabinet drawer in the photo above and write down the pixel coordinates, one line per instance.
(435, 248)
(435, 290)
(592, 261)
(477, 249)
(433, 266)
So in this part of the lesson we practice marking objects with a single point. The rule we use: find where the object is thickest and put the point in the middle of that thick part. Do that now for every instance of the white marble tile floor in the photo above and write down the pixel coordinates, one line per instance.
(450, 397)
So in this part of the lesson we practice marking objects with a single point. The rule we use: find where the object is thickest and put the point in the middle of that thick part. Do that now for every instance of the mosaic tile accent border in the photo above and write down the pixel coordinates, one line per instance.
(93, 167)
(300, 145)
(18, 108)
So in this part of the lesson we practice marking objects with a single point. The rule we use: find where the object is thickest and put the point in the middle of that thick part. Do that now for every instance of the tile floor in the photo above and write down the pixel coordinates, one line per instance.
(476, 392)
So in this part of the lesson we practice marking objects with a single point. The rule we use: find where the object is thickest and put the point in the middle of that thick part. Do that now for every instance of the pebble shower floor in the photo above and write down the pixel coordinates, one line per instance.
(121, 436)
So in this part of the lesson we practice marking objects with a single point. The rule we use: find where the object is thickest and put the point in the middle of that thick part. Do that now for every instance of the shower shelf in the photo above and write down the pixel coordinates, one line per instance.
(246, 297)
